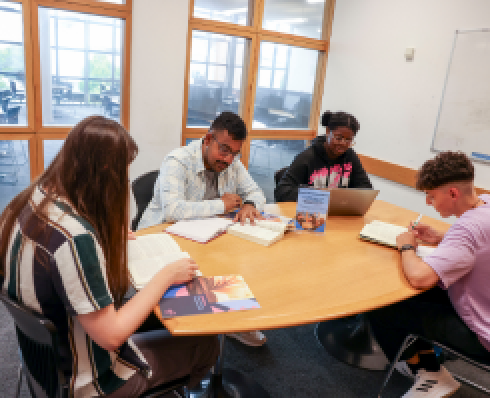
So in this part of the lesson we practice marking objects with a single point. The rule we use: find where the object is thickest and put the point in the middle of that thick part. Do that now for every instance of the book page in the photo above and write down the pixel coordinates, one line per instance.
(142, 270)
(277, 226)
(153, 245)
(200, 230)
(382, 232)
(148, 254)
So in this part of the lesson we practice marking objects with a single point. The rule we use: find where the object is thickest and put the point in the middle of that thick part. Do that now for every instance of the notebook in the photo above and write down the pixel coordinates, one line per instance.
(382, 232)
(351, 201)
(386, 233)
(200, 230)
(148, 254)
(264, 232)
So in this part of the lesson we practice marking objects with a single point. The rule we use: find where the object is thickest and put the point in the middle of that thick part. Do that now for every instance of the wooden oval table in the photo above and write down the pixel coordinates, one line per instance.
(304, 278)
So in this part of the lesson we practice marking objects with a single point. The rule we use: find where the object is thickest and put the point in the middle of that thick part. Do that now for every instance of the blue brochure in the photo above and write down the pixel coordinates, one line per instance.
(312, 209)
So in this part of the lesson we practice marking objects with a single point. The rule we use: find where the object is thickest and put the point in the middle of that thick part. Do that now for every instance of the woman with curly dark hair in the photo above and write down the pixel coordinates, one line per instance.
(63, 253)
(330, 161)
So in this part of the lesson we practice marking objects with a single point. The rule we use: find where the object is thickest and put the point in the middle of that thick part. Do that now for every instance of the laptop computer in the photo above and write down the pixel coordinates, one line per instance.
(350, 201)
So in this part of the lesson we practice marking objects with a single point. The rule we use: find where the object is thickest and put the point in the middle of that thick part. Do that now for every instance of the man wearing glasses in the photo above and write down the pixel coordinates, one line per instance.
(207, 178)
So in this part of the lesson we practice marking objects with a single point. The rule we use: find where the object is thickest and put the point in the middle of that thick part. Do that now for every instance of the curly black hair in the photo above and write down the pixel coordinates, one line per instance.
(446, 167)
(332, 120)
(232, 123)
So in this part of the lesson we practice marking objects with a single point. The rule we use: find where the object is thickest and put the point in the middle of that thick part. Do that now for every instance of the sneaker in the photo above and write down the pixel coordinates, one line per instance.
(255, 338)
(404, 369)
(433, 384)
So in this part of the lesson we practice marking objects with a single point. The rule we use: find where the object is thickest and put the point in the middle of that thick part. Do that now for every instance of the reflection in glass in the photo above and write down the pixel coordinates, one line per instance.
(284, 87)
(70, 33)
(14, 169)
(50, 150)
(297, 17)
(214, 77)
(80, 65)
(268, 156)
(13, 108)
(232, 11)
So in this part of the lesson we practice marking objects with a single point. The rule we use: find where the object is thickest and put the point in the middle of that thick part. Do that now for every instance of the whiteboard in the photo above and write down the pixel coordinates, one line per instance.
(463, 122)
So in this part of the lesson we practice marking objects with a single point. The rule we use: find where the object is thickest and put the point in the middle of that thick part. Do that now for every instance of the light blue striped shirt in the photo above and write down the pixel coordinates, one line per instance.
(179, 190)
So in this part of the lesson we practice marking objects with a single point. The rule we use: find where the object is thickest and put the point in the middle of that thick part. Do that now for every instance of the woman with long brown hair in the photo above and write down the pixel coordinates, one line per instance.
(63, 253)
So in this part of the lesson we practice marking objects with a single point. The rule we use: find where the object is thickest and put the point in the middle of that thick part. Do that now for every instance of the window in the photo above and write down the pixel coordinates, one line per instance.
(222, 10)
(215, 76)
(81, 68)
(14, 169)
(285, 86)
(12, 65)
(268, 156)
(297, 17)
(45, 89)
(266, 61)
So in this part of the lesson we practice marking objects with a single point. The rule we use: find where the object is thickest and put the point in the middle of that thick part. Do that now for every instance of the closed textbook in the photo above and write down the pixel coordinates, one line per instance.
(148, 254)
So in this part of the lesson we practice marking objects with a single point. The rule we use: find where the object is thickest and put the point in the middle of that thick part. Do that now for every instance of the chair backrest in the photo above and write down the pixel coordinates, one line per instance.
(38, 343)
(278, 175)
(143, 193)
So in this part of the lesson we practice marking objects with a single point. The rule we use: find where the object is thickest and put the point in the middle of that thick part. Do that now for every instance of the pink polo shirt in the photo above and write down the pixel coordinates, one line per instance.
(462, 261)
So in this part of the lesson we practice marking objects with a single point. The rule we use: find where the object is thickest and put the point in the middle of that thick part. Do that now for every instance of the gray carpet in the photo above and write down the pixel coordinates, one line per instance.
(291, 364)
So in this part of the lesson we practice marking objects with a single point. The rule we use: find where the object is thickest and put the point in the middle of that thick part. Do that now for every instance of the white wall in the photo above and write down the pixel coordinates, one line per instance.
(395, 101)
(157, 79)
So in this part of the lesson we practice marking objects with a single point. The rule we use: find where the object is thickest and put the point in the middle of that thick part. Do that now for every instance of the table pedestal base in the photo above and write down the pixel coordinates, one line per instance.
(350, 340)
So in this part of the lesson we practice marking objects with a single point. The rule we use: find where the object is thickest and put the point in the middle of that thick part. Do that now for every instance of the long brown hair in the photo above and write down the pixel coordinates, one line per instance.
(91, 172)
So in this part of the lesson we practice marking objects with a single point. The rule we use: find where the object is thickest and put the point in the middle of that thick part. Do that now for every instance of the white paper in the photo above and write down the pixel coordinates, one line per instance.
(148, 254)
(200, 230)
(423, 250)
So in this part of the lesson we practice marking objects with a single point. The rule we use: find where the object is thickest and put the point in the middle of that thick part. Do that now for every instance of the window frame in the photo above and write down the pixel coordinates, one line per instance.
(35, 132)
(255, 35)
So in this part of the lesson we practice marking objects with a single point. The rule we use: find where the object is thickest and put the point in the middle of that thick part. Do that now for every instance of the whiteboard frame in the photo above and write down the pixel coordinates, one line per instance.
(432, 147)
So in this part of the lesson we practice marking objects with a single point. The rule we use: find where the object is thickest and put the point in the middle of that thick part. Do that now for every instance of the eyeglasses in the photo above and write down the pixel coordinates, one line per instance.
(225, 150)
(342, 139)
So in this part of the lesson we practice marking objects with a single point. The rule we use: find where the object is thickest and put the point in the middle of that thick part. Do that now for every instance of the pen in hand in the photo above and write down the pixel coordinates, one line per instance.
(416, 221)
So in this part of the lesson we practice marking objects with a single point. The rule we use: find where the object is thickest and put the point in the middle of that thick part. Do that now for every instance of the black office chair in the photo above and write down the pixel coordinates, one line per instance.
(38, 343)
(279, 174)
(143, 193)
(411, 338)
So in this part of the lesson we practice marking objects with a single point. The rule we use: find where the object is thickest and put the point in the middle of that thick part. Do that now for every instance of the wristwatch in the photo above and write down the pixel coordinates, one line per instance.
(249, 202)
(408, 246)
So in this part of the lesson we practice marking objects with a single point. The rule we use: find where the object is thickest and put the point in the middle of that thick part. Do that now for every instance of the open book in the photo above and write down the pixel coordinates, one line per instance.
(200, 230)
(386, 233)
(264, 232)
(148, 254)
(382, 232)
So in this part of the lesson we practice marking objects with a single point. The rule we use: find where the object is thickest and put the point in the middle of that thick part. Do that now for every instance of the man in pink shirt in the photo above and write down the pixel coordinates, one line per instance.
(455, 313)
